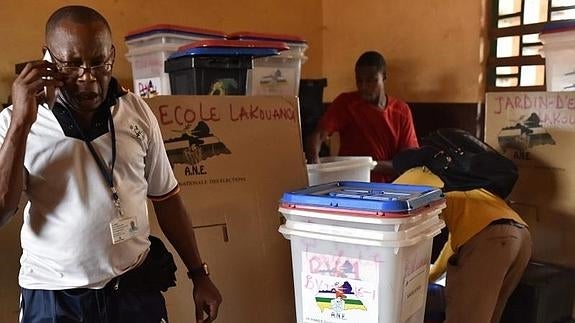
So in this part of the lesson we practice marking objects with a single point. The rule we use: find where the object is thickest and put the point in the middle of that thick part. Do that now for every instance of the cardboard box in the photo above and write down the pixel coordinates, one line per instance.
(537, 131)
(234, 156)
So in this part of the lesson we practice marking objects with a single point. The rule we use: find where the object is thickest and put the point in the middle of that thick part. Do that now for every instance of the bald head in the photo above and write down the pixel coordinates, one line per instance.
(78, 36)
(75, 14)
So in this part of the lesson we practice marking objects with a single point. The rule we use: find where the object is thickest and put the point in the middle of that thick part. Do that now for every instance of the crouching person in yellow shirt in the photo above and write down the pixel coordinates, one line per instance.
(487, 252)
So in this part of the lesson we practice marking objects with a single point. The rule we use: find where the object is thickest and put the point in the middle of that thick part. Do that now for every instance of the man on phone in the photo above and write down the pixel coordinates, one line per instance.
(87, 255)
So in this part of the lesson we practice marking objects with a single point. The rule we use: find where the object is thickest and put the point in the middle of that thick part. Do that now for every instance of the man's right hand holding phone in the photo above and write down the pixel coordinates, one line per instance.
(28, 90)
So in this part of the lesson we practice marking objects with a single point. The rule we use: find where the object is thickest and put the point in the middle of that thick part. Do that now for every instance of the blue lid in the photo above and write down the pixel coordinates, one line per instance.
(365, 196)
(225, 51)
(558, 26)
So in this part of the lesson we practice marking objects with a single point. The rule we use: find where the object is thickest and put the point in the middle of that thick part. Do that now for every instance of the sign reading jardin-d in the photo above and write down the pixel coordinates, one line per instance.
(537, 131)
(524, 121)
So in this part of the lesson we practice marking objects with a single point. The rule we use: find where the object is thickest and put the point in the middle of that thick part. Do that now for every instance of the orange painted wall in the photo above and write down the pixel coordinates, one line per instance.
(23, 22)
(431, 46)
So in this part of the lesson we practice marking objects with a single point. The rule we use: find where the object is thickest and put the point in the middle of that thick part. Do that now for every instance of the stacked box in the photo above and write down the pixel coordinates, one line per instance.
(215, 67)
(361, 251)
(149, 47)
(340, 168)
(558, 38)
(275, 75)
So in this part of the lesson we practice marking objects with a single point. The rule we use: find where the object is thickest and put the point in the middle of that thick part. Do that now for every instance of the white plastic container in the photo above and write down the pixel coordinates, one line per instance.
(353, 276)
(149, 47)
(276, 75)
(299, 218)
(340, 168)
(559, 53)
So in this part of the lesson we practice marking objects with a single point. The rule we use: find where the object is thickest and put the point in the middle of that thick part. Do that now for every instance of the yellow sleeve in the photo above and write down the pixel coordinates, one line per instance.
(440, 265)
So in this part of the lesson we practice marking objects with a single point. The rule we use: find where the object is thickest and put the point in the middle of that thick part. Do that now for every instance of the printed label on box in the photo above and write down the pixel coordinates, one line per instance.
(149, 87)
(275, 81)
(414, 290)
(339, 289)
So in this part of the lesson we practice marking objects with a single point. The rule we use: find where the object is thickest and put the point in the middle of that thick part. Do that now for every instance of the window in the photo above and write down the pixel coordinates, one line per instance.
(514, 62)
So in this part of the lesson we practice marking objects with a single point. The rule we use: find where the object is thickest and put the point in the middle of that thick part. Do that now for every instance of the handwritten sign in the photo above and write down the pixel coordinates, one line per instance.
(554, 109)
(522, 123)
(202, 133)
(336, 288)
(233, 158)
(193, 112)
(537, 130)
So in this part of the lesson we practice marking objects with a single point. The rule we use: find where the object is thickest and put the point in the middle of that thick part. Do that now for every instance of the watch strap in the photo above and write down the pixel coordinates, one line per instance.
(201, 270)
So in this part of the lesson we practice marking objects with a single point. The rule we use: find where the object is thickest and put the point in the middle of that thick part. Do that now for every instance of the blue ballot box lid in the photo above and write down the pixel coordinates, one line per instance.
(224, 51)
(229, 48)
(365, 196)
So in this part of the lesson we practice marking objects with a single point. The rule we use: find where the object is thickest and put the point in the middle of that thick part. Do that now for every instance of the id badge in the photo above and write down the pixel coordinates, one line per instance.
(123, 229)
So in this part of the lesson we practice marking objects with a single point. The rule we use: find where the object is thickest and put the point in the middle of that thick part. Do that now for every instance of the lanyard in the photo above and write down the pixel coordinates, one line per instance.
(107, 173)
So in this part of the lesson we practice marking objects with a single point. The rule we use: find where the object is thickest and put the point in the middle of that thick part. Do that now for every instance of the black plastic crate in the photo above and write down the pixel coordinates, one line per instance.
(208, 75)
(545, 294)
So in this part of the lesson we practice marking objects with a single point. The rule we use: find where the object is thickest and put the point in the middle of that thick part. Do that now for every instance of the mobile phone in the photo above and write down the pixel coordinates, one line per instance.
(49, 91)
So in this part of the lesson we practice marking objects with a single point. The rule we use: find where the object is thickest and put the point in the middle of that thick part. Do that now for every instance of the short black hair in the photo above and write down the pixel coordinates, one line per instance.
(77, 14)
(371, 58)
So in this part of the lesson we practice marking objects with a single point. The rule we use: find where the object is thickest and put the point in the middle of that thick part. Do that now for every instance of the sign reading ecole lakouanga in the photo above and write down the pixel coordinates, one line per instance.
(234, 156)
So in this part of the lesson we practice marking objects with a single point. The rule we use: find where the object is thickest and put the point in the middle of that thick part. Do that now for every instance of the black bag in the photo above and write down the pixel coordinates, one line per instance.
(462, 161)
(156, 273)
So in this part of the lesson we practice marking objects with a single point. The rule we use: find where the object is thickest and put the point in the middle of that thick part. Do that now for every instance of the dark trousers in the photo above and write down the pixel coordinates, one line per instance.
(106, 305)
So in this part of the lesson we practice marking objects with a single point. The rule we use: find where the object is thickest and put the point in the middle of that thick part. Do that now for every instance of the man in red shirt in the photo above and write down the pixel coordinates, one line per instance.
(369, 122)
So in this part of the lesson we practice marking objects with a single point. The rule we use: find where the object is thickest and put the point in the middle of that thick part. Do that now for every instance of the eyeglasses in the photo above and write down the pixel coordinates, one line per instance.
(72, 71)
